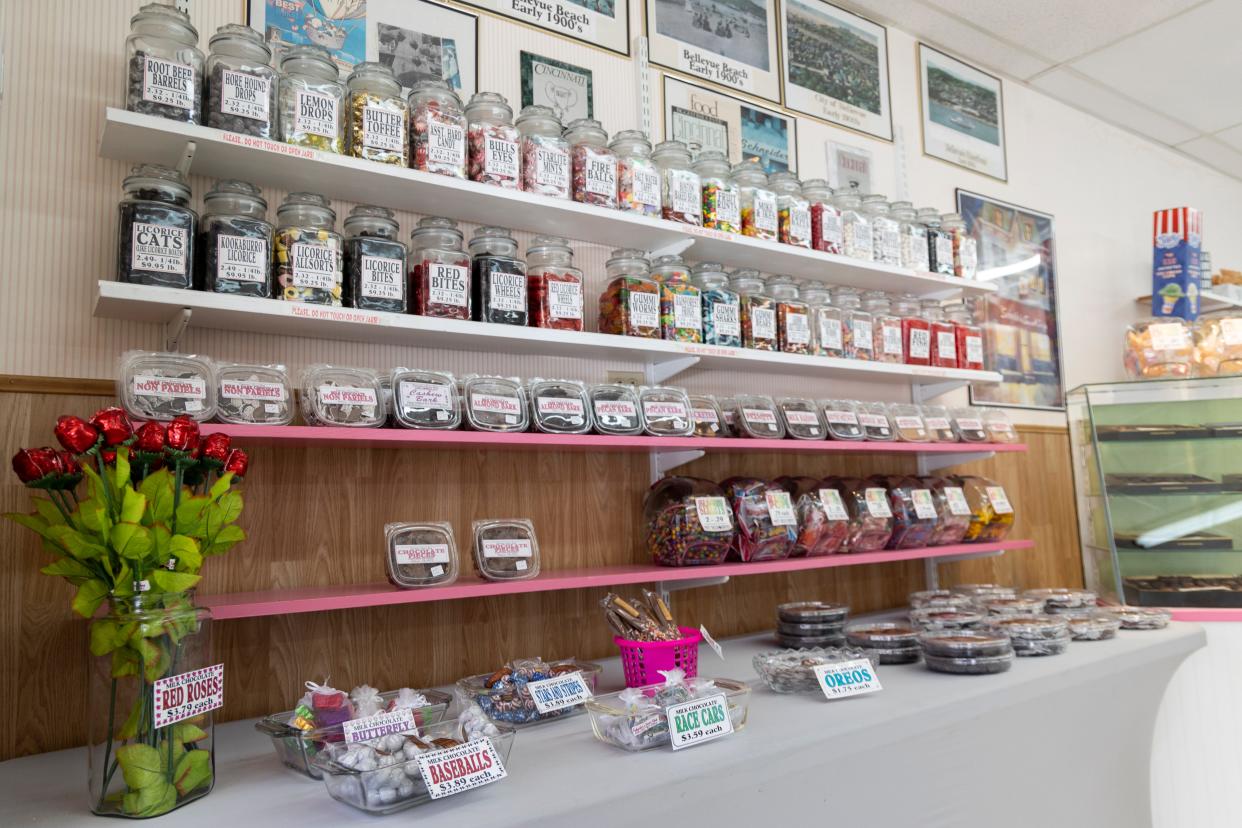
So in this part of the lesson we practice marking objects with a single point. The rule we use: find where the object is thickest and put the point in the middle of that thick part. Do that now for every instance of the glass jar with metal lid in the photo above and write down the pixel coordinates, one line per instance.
(235, 241)
(965, 248)
(493, 141)
(941, 334)
(165, 65)
(241, 84)
(827, 334)
(857, 326)
(593, 164)
(885, 238)
(886, 327)
(793, 210)
(312, 99)
(680, 189)
(969, 337)
(911, 237)
(939, 243)
(857, 238)
(155, 234)
(553, 284)
(437, 129)
(722, 205)
(759, 213)
(439, 270)
(375, 261)
(681, 306)
(377, 115)
(630, 304)
(545, 152)
(758, 311)
(915, 330)
(825, 217)
(722, 311)
(793, 319)
(498, 277)
(308, 264)
(638, 178)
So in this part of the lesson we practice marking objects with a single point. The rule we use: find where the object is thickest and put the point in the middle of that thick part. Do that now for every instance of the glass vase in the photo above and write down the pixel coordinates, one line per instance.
(151, 687)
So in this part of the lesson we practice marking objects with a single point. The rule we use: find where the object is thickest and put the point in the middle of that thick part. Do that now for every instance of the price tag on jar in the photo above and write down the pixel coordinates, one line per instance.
(462, 768)
(780, 509)
(924, 506)
(698, 721)
(847, 678)
(1000, 501)
(877, 503)
(559, 692)
(713, 514)
(956, 499)
(1168, 336)
(834, 507)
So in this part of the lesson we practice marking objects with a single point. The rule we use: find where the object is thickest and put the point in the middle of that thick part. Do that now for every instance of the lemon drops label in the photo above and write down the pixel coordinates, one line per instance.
(461, 768)
(559, 692)
(187, 695)
(698, 721)
(847, 678)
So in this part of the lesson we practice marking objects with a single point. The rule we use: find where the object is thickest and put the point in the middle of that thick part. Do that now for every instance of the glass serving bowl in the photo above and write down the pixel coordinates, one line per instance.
(642, 727)
(506, 700)
(793, 671)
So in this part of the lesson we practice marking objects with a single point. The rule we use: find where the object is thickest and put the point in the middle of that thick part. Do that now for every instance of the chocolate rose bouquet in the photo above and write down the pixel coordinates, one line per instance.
(129, 515)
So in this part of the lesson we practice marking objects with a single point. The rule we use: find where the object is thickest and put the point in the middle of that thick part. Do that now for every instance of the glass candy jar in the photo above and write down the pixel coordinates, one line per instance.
(553, 284)
(630, 304)
(969, 337)
(722, 206)
(235, 241)
(688, 522)
(156, 230)
(377, 115)
(886, 327)
(825, 218)
(681, 304)
(793, 210)
(915, 330)
(680, 189)
(857, 326)
(912, 237)
(939, 243)
(1159, 347)
(492, 141)
(758, 311)
(308, 251)
(638, 178)
(439, 270)
(857, 238)
(759, 210)
(312, 99)
(545, 152)
(593, 164)
(241, 84)
(437, 129)
(498, 278)
(941, 333)
(793, 318)
(965, 247)
(165, 75)
(885, 231)
(722, 319)
(1218, 344)
(375, 262)
(827, 334)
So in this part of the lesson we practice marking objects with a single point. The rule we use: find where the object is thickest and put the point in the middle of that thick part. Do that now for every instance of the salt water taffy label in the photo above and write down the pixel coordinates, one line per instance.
(847, 678)
(187, 695)
(461, 768)
(381, 724)
(559, 692)
(698, 721)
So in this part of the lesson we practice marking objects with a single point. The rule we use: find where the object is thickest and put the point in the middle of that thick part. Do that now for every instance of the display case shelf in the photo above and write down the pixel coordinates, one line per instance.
(323, 599)
(130, 136)
(178, 308)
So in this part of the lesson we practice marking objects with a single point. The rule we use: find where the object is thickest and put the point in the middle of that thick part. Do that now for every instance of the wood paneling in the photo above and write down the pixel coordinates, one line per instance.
(316, 516)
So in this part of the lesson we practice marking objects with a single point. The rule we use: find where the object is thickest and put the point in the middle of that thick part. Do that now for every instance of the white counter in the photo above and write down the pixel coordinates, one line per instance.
(1062, 740)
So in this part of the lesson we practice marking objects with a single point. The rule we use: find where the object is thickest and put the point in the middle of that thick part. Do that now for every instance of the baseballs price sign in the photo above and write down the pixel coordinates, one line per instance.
(462, 768)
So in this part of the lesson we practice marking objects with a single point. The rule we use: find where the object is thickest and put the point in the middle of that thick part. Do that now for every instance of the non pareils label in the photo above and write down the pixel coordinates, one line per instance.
(315, 265)
(713, 514)
(862, 334)
(252, 390)
(145, 385)
(561, 406)
(830, 334)
(615, 408)
(780, 509)
(447, 284)
(892, 339)
(159, 249)
(552, 167)
(167, 82)
(421, 553)
(383, 129)
(920, 343)
(425, 395)
(687, 311)
(764, 206)
(683, 190)
(381, 724)
(508, 291)
(248, 96)
(797, 328)
(974, 349)
(186, 695)
(461, 768)
(512, 548)
(316, 114)
(497, 404)
(705, 415)
(446, 141)
(999, 500)
(728, 207)
(346, 395)
(601, 174)
(800, 223)
(726, 319)
(803, 418)
(1166, 336)
(559, 692)
(924, 506)
(660, 410)
(564, 299)
(847, 678)
(877, 503)
(500, 157)
(834, 507)
(955, 498)
(841, 417)
(762, 323)
(946, 344)
(698, 721)
(646, 184)
(382, 278)
(644, 309)
(241, 259)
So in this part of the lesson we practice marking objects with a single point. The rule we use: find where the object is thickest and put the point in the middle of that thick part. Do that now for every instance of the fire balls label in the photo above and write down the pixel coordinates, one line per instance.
(500, 157)
(187, 695)
(314, 265)
(698, 721)
(159, 249)
(383, 129)
(847, 678)
(558, 692)
(507, 548)
(461, 768)
(382, 278)
(184, 389)
(447, 142)
(381, 724)
(601, 175)
(316, 114)
(241, 258)
(447, 284)
(167, 82)
(246, 95)
(421, 553)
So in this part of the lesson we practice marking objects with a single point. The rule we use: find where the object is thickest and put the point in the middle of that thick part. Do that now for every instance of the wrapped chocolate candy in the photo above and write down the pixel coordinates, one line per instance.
(162, 386)
(615, 409)
(504, 696)
(421, 554)
(505, 550)
(425, 399)
(767, 524)
(336, 396)
(952, 511)
(914, 511)
(688, 522)
(254, 394)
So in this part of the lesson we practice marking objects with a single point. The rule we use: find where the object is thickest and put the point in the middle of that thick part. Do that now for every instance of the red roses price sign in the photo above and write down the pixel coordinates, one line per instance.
(187, 695)
(461, 768)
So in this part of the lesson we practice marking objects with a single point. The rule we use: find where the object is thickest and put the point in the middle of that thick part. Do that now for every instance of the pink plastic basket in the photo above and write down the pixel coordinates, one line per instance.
(643, 660)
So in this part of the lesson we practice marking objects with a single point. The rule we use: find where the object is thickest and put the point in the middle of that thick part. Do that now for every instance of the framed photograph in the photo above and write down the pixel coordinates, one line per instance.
(566, 88)
(963, 114)
(417, 38)
(602, 23)
(728, 42)
(706, 119)
(835, 66)
(849, 168)
(1017, 253)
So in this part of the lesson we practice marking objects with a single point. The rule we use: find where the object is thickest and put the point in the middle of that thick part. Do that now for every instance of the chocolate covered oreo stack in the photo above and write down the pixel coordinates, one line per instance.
(810, 624)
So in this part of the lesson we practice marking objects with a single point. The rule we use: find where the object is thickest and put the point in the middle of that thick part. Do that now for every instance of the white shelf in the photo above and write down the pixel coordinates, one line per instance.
(129, 136)
(139, 303)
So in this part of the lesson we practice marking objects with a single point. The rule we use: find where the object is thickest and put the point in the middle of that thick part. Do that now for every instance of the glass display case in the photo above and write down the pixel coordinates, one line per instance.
(1158, 474)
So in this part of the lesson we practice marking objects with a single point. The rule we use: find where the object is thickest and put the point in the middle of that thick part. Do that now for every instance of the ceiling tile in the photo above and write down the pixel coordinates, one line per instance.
(1214, 154)
(1061, 30)
(1186, 67)
(935, 27)
(1082, 93)
(1231, 136)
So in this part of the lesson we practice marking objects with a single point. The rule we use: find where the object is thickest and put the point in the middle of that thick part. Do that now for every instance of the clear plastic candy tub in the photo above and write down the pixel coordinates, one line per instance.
(634, 719)
(666, 411)
(688, 522)
(915, 518)
(505, 550)
(812, 612)
(1061, 599)
(876, 423)
(504, 697)
(969, 665)
(253, 394)
(767, 524)
(938, 598)
(421, 554)
(162, 386)
(425, 399)
(1005, 606)
(708, 418)
(1035, 635)
(802, 418)
(615, 409)
(1092, 625)
(559, 406)
(841, 418)
(793, 671)
(348, 397)
(939, 424)
(757, 416)
(1141, 618)
(494, 404)
(882, 634)
(945, 618)
(965, 643)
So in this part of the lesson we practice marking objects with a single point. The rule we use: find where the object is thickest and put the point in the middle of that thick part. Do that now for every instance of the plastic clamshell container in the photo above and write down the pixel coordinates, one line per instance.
(644, 726)
(708, 419)
(968, 665)
(841, 419)
(996, 424)
(756, 415)
(505, 550)
(965, 643)
(425, 399)
(253, 394)
(494, 404)
(615, 409)
(1013, 606)
(875, 422)
(384, 789)
(1051, 645)
(1063, 598)
(1093, 626)
(812, 612)
(946, 618)
(560, 406)
(1141, 618)
(937, 598)
(809, 628)
(507, 701)
(798, 642)
(802, 418)
(908, 422)
(793, 671)
(421, 554)
(688, 522)
(980, 591)
(968, 422)
(347, 397)
(161, 386)
(896, 655)
(666, 411)
(296, 748)
(1030, 627)
(882, 634)
(939, 424)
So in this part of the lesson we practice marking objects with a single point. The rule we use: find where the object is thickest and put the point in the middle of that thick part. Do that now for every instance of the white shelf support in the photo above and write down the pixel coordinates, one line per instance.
(175, 327)
(663, 462)
(187, 158)
(935, 462)
(930, 390)
(661, 372)
(665, 587)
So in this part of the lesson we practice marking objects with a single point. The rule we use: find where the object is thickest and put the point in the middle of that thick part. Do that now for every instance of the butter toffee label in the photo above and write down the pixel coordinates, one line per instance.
(383, 129)
(159, 249)
(245, 95)
(316, 114)
(241, 259)
(167, 82)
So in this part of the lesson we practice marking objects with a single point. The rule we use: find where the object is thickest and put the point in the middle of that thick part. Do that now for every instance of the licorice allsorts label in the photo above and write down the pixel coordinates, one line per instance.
(241, 258)
(245, 95)
(167, 82)
(159, 248)
(314, 265)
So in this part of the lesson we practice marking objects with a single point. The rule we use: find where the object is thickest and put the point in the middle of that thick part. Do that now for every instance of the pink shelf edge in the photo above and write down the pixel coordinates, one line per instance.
(576, 442)
(228, 606)
(1201, 614)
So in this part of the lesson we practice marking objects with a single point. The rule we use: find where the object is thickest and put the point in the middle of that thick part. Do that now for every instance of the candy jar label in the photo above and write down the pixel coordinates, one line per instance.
(167, 82)
(646, 185)
(382, 278)
(830, 335)
(945, 346)
(1166, 336)
(561, 406)
(763, 323)
(241, 258)
(705, 415)
(158, 248)
(447, 144)
(974, 348)
(892, 338)
(800, 223)
(765, 210)
(558, 692)
(252, 390)
(514, 548)
(726, 318)
(797, 328)
(830, 226)
(862, 334)
(425, 395)
(760, 416)
(495, 404)
(314, 265)
(564, 299)
(909, 422)
(877, 503)
(383, 129)
(500, 157)
(920, 343)
(780, 509)
(944, 250)
(508, 291)
(713, 514)
(316, 114)
(601, 175)
(186, 389)
(955, 498)
(552, 167)
(245, 95)
(186, 695)
(937, 423)
(347, 395)
(698, 721)
(924, 508)
(728, 206)
(999, 500)
(841, 417)
(834, 507)
(461, 768)
(1231, 331)
(447, 284)
(683, 188)
(421, 553)
(847, 678)
(644, 309)
(687, 311)
(803, 418)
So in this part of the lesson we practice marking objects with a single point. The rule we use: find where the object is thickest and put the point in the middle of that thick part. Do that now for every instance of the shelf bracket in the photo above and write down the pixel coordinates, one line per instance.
(659, 373)
(673, 248)
(931, 566)
(930, 390)
(935, 462)
(187, 158)
(175, 327)
(665, 587)
(663, 462)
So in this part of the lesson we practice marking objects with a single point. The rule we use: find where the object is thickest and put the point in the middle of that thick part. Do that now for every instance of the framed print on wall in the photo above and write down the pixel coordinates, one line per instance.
(1017, 253)
(963, 114)
(567, 89)
(728, 42)
(706, 119)
(416, 38)
(835, 66)
(603, 23)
